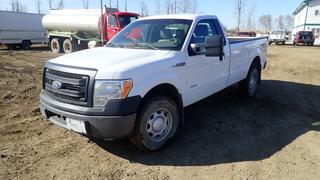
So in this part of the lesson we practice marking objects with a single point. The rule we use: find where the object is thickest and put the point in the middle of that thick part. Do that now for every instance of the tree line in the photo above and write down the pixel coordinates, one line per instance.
(266, 22)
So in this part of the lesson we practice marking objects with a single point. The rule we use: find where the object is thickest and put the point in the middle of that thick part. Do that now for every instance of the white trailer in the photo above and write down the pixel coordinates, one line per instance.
(21, 29)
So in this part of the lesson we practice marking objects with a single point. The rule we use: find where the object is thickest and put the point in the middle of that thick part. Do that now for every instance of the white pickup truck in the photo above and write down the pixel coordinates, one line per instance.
(140, 82)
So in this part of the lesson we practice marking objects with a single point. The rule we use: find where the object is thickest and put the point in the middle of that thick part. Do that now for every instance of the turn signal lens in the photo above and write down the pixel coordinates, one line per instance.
(126, 87)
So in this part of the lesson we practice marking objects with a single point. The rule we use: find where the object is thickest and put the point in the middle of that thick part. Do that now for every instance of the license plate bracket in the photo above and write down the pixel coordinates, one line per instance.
(77, 126)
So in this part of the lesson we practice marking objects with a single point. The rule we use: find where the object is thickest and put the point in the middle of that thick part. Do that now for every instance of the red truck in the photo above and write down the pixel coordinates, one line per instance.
(72, 30)
(304, 37)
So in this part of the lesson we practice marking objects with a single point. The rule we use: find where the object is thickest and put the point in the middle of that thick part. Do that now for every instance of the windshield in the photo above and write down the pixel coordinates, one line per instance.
(166, 34)
(125, 20)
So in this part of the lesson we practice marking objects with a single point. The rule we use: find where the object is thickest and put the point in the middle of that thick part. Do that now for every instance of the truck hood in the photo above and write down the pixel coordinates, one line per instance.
(113, 58)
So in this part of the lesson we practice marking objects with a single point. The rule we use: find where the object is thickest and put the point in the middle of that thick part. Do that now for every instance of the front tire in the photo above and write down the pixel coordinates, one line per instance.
(157, 122)
(250, 85)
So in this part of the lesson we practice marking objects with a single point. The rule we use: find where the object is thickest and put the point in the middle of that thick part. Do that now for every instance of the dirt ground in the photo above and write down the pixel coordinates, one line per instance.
(273, 136)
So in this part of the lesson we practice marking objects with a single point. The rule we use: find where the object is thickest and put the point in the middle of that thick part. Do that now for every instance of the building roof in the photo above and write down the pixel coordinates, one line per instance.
(301, 6)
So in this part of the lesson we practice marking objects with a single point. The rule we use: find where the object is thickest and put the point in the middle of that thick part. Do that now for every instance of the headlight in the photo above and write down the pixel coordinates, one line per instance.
(105, 90)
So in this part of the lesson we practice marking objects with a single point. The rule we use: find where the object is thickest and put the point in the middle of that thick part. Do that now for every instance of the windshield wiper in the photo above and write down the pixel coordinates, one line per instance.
(110, 44)
(146, 45)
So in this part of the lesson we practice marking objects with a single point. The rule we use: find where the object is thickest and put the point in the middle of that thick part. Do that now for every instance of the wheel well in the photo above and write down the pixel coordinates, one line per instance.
(257, 62)
(163, 89)
(166, 90)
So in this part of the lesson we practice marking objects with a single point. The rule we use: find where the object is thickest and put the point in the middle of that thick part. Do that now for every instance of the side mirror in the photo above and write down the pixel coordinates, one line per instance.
(214, 46)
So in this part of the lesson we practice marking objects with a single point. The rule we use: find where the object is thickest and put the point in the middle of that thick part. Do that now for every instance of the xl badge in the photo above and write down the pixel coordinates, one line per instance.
(56, 84)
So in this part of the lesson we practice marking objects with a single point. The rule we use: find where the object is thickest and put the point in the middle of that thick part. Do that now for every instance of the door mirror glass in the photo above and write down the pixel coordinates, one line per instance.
(214, 46)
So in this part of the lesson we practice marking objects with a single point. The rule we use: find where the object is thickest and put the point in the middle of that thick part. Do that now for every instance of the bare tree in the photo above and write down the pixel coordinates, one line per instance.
(266, 22)
(125, 5)
(157, 8)
(280, 22)
(85, 4)
(143, 9)
(61, 4)
(250, 21)
(38, 6)
(167, 4)
(240, 8)
(194, 6)
(17, 6)
(50, 4)
(185, 6)
(288, 22)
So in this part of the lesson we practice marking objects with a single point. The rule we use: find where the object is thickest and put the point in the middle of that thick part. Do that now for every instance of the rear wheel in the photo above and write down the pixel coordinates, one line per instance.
(69, 46)
(25, 45)
(250, 85)
(157, 123)
(56, 45)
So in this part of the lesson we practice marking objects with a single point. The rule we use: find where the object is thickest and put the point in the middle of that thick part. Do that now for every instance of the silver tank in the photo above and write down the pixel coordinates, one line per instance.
(85, 20)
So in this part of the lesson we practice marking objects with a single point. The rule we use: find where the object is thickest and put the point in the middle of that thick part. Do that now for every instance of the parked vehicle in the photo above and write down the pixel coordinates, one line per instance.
(21, 30)
(71, 30)
(246, 34)
(277, 37)
(139, 83)
(304, 37)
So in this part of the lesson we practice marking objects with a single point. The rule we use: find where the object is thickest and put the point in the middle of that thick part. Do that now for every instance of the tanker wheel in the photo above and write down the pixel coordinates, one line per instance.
(56, 45)
(69, 46)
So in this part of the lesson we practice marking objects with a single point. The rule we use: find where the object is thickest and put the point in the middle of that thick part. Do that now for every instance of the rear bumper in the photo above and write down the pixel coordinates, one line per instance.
(305, 41)
(96, 125)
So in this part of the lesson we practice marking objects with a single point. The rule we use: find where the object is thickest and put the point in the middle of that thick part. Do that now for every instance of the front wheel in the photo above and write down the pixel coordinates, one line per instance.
(157, 122)
(250, 85)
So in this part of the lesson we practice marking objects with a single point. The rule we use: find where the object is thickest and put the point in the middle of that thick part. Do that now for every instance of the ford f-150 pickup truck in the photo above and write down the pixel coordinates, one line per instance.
(139, 83)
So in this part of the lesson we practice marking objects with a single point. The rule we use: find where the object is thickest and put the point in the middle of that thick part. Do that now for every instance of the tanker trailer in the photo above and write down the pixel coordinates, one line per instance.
(71, 30)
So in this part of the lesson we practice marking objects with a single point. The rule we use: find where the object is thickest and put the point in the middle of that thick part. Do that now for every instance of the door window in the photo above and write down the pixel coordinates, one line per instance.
(203, 29)
(112, 21)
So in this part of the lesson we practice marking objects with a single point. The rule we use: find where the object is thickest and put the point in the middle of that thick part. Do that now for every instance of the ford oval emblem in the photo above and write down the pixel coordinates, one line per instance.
(56, 84)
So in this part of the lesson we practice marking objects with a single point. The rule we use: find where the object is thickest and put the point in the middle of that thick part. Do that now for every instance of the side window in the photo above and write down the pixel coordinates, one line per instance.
(316, 12)
(203, 29)
(112, 21)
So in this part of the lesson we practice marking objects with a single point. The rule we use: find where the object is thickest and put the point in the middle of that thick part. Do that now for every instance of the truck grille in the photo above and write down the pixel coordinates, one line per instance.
(66, 87)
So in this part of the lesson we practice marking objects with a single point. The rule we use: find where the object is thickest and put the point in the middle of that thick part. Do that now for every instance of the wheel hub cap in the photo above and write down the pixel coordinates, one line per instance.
(159, 125)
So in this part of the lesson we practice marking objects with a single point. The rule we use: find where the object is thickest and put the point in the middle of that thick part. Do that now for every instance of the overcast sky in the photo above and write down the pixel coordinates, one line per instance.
(224, 9)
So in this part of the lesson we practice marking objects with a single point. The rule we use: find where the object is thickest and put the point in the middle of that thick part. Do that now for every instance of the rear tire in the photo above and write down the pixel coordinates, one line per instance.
(56, 45)
(25, 45)
(157, 122)
(68, 46)
(250, 85)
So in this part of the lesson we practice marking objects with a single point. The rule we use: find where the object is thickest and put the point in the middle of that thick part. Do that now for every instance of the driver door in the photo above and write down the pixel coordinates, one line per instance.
(206, 75)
